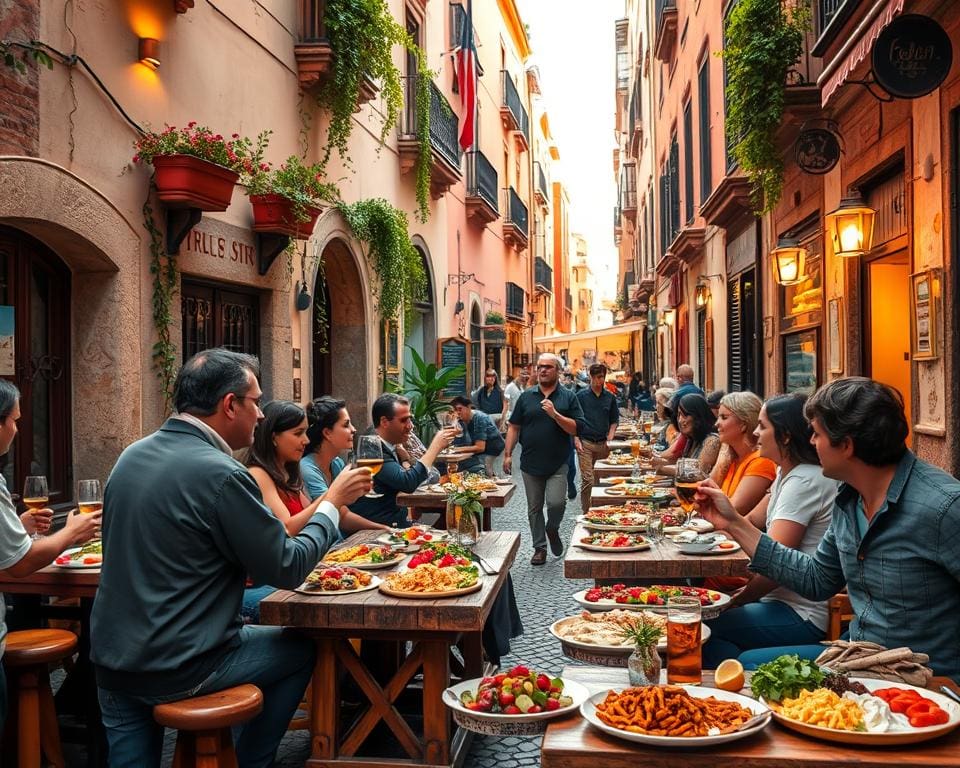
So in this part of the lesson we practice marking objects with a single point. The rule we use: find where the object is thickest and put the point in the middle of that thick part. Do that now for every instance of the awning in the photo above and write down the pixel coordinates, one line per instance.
(858, 47)
(614, 330)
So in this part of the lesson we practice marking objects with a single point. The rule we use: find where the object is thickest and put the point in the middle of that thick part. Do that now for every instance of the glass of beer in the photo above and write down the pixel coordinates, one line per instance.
(684, 662)
(635, 452)
(646, 419)
(370, 455)
(89, 496)
(688, 477)
(35, 495)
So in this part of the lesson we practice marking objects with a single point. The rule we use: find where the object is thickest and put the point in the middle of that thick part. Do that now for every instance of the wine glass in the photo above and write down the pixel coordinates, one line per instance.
(35, 496)
(688, 477)
(89, 496)
(370, 455)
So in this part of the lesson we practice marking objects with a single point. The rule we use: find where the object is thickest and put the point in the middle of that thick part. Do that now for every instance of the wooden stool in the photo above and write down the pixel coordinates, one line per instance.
(839, 612)
(27, 655)
(204, 738)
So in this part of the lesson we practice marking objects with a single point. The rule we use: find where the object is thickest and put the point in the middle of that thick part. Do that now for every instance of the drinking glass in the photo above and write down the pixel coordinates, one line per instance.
(684, 661)
(646, 420)
(688, 477)
(370, 455)
(635, 452)
(89, 496)
(35, 496)
(452, 421)
(655, 524)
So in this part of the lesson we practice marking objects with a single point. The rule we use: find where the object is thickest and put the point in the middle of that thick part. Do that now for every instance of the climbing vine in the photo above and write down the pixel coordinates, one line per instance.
(163, 267)
(763, 39)
(424, 156)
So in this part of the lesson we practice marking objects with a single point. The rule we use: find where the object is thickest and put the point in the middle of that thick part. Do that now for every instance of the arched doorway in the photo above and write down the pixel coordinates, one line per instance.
(476, 354)
(339, 345)
(422, 333)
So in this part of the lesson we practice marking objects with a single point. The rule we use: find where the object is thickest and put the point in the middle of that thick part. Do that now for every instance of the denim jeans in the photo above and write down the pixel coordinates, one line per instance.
(3, 698)
(756, 625)
(279, 663)
(250, 608)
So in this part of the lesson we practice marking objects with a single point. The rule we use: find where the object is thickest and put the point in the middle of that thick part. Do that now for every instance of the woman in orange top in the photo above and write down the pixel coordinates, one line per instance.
(740, 471)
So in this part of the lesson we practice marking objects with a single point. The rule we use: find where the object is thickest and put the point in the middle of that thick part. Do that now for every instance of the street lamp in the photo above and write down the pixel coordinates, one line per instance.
(851, 227)
(703, 295)
(669, 315)
(789, 261)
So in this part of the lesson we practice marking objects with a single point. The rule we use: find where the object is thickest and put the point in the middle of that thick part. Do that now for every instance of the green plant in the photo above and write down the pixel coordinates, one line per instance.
(424, 385)
(494, 318)
(163, 267)
(469, 501)
(425, 155)
(763, 39)
(238, 153)
(362, 34)
(303, 185)
(402, 280)
(27, 51)
(643, 634)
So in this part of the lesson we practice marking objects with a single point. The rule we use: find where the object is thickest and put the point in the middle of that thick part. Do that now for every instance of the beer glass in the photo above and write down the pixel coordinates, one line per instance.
(370, 455)
(684, 662)
(35, 496)
(646, 421)
(688, 477)
(89, 496)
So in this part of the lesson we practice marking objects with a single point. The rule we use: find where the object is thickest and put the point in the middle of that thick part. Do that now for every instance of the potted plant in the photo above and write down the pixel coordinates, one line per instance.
(494, 331)
(424, 385)
(288, 200)
(195, 167)
(643, 665)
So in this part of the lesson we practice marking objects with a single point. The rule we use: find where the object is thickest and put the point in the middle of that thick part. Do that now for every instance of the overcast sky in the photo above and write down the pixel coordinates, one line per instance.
(573, 44)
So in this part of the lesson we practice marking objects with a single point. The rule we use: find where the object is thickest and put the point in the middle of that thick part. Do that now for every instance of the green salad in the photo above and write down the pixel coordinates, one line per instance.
(784, 678)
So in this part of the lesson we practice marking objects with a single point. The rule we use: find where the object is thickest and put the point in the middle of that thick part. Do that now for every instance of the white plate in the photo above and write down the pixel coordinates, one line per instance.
(639, 528)
(387, 538)
(305, 589)
(76, 565)
(685, 550)
(370, 566)
(602, 605)
(700, 525)
(613, 550)
(589, 711)
(624, 649)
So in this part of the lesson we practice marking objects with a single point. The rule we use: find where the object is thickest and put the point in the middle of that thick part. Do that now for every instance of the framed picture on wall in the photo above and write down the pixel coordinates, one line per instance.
(924, 341)
(834, 334)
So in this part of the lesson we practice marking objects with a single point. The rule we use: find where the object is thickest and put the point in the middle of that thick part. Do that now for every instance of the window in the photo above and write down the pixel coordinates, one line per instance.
(218, 316)
(703, 81)
(800, 361)
(742, 343)
(688, 163)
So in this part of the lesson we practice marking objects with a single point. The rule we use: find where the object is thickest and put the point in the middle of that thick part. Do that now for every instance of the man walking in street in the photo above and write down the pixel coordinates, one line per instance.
(544, 419)
(600, 418)
(521, 376)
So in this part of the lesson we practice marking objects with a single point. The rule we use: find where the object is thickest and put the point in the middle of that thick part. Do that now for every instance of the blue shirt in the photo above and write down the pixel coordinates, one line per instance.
(599, 414)
(902, 573)
(314, 481)
(390, 480)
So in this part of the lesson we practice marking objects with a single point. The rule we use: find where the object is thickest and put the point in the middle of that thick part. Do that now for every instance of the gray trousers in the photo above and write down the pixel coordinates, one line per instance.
(553, 490)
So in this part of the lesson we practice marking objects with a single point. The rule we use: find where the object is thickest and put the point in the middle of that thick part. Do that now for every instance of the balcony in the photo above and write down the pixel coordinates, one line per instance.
(622, 40)
(665, 39)
(542, 276)
(628, 192)
(728, 207)
(541, 190)
(826, 12)
(801, 98)
(513, 115)
(647, 283)
(635, 120)
(688, 244)
(445, 151)
(481, 201)
(515, 297)
(516, 232)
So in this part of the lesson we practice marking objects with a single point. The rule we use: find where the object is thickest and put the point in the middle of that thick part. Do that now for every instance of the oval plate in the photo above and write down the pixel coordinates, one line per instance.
(613, 550)
(305, 589)
(607, 604)
(715, 550)
(431, 595)
(370, 566)
(496, 724)
(624, 650)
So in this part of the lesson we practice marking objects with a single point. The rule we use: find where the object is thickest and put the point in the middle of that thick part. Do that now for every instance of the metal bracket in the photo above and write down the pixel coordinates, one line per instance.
(886, 98)
(269, 246)
(179, 223)
(460, 278)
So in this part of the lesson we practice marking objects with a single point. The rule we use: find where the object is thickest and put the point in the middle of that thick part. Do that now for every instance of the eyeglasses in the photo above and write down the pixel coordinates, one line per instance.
(256, 400)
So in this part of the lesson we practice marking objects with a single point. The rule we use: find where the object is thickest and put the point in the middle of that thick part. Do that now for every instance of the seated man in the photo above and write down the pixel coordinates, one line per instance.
(184, 524)
(393, 423)
(893, 537)
(481, 438)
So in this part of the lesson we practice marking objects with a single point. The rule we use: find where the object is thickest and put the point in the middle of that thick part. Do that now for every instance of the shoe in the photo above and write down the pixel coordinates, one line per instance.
(539, 556)
(556, 543)
(571, 492)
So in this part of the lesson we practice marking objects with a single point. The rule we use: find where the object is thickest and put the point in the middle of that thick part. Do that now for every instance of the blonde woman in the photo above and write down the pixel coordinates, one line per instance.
(743, 474)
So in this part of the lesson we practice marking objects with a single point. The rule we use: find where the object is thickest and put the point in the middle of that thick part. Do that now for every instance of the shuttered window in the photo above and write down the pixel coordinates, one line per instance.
(688, 163)
(735, 376)
(674, 188)
(702, 346)
(212, 316)
(743, 343)
(706, 180)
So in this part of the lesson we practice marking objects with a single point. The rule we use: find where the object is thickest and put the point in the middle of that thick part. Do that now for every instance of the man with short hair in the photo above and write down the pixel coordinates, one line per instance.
(543, 421)
(685, 382)
(393, 423)
(600, 418)
(512, 391)
(184, 526)
(894, 534)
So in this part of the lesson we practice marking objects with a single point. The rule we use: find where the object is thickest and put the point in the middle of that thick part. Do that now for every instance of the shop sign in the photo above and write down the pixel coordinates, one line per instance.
(912, 56)
(219, 247)
(817, 150)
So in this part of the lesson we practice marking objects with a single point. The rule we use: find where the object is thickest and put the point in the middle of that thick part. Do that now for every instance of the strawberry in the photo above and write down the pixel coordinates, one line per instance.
(552, 705)
(543, 682)
(534, 709)
(519, 671)
(511, 709)
(506, 698)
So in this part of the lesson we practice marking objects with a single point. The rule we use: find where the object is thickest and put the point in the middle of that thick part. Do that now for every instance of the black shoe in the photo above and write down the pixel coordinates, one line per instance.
(571, 492)
(556, 543)
(539, 556)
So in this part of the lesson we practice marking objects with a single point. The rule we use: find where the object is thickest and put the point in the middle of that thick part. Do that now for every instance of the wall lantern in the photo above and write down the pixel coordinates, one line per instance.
(789, 261)
(703, 295)
(669, 315)
(851, 227)
(148, 52)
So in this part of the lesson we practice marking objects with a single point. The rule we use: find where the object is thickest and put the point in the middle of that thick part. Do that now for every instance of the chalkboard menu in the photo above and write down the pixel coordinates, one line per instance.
(451, 352)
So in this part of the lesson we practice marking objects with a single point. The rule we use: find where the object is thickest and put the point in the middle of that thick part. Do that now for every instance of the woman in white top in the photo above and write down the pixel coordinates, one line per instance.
(796, 513)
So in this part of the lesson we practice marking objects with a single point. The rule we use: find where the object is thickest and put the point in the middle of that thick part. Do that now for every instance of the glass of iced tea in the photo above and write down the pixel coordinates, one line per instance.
(684, 662)
(35, 496)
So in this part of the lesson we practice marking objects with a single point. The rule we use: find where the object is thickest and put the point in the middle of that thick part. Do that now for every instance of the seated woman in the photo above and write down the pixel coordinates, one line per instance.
(762, 614)
(741, 472)
(701, 442)
(664, 433)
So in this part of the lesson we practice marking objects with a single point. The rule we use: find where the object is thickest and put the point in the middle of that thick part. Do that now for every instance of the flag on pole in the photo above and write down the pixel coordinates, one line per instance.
(467, 80)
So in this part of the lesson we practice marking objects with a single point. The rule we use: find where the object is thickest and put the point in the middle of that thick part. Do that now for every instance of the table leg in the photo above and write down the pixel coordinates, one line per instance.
(325, 702)
(487, 519)
(436, 716)
(471, 646)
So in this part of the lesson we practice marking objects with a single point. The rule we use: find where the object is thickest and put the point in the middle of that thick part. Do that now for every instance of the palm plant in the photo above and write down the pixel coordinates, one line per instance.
(424, 385)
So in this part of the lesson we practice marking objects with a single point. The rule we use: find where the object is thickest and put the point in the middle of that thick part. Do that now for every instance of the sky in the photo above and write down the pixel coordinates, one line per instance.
(578, 91)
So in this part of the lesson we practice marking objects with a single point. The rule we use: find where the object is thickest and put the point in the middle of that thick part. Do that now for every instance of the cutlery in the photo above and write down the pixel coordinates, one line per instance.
(487, 568)
(949, 692)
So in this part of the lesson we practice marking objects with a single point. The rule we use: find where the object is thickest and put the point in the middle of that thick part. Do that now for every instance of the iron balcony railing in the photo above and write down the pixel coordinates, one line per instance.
(543, 184)
(443, 121)
(826, 10)
(515, 298)
(628, 188)
(516, 211)
(512, 101)
(482, 179)
(542, 274)
(312, 28)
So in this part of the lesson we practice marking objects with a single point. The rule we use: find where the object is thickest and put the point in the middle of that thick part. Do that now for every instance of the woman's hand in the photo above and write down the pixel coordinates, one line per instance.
(714, 505)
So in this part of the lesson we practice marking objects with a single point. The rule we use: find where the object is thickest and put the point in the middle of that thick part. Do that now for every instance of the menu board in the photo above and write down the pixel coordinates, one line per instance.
(451, 352)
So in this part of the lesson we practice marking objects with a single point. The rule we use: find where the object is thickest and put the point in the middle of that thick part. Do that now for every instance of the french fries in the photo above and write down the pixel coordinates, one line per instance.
(669, 711)
(825, 708)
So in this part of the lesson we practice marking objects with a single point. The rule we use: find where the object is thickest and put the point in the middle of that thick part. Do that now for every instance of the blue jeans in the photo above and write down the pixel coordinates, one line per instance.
(250, 608)
(756, 625)
(572, 468)
(278, 663)
(3, 698)
(753, 659)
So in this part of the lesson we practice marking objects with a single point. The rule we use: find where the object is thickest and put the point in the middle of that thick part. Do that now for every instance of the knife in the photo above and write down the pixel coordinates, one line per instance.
(949, 692)
(487, 568)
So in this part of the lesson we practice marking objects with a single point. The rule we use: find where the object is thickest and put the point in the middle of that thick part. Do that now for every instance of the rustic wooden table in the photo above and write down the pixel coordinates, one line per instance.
(571, 742)
(423, 499)
(432, 626)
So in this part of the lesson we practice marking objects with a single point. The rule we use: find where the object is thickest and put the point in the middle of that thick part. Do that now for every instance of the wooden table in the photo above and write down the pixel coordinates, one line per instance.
(433, 626)
(662, 561)
(571, 742)
(424, 499)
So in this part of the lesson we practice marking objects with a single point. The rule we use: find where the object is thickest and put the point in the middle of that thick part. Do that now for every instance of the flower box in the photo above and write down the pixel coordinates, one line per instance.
(184, 181)
(495, 335)
(275, 213)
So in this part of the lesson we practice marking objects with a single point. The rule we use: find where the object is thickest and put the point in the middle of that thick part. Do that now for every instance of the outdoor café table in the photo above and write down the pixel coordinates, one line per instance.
(662, 561)
(600, 495)
(571, 742)
(424, 499)
(432, 626)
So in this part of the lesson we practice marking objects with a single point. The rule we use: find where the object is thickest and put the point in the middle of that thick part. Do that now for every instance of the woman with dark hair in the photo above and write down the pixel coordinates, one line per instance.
(696, 423)
(798, 512)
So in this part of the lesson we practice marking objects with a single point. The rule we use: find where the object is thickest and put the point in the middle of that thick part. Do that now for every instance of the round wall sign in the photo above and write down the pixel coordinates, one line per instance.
(817, 150)
(912, 56)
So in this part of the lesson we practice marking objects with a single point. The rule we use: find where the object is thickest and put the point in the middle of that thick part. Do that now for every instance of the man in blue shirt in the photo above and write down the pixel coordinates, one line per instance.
(600, 418)
(480, 437)
(895, 534)
(686, 385)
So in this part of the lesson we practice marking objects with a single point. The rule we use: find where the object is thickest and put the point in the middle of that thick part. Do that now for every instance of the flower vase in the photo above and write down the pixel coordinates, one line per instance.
(467, 529)
(643, 666)
(454, 512)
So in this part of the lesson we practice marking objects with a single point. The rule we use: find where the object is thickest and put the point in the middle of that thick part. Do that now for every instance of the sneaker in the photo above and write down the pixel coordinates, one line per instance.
(556, 543)
(539, 557)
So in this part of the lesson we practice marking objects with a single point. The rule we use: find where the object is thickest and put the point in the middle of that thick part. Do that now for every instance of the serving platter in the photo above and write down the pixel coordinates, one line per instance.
(306, 589)
(76, 564)
(556, 629)
(385, 589)
(606, 604)
(497, 724)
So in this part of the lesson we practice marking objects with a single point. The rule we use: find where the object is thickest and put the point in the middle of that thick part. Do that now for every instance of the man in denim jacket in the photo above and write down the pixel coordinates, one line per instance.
(894, 541)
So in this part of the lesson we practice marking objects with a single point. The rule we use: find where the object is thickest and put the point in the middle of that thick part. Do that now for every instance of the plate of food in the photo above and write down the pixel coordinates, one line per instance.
(441, 554)
(605, 632)
(618, 460)
(681, 716)
(612, 541)
(646, 598)
(640, 492)
(337, 580)
(614, 521)
(412, 538)
(90, 555)
(712, 544)
(367, 556)
(518, 702)
(428, 581)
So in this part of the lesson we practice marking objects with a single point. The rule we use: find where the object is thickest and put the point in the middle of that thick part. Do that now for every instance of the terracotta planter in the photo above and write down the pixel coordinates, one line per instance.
(184, 181)
(275, 213)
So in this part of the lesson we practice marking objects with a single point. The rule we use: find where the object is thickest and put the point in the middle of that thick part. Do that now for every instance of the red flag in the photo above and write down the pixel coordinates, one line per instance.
(467, 80)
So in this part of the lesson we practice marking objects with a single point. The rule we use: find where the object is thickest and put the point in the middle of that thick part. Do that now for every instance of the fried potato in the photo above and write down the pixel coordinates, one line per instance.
(669, 711)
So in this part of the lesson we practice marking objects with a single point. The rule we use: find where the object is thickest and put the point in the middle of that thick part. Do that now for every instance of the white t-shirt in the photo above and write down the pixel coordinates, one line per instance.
(806, 497)
(510, 393)
(14, 545)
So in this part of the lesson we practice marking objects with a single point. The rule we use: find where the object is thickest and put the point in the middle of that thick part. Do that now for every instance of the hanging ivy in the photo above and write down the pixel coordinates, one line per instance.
(763, 39)
(402, 280)
(425, 155)
(163, 267)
